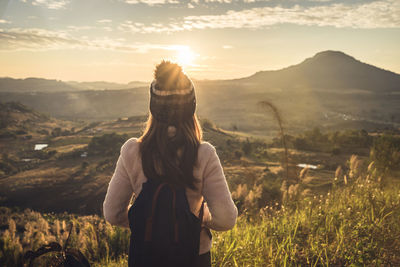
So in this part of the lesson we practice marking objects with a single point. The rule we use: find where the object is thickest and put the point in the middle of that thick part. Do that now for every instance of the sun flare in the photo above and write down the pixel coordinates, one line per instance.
(185, 56)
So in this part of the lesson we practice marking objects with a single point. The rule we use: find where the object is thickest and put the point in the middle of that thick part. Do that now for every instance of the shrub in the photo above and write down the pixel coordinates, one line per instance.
(207, 124)
(247, 147)
(56, 132)
(385, 153)
(107, 144)
(238, 154)
(43, 131)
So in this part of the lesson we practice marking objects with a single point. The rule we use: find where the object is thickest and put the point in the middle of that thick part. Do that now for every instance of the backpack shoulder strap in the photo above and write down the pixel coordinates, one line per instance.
(149, 222)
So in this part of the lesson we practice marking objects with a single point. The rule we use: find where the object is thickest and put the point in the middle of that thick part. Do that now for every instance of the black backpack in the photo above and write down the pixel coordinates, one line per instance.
(164, 232)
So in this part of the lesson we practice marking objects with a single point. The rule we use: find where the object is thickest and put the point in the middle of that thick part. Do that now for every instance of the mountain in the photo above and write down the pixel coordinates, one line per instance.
(329, 70)
(330, 89)
(33, 85)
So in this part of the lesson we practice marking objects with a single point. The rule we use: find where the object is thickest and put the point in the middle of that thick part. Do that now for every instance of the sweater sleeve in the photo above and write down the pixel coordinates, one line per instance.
(119, 194)
(223, 212)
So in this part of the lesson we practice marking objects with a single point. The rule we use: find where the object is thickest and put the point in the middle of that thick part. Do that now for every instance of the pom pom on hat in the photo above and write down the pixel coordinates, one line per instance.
(172, 96)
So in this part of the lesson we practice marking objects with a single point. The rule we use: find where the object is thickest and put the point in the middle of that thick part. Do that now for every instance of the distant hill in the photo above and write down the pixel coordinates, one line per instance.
(330, 89)
(329, 70)
(12, 114)
(20, 121)
(100, 85)
(88, 104)
(34, 85)
(45, 85)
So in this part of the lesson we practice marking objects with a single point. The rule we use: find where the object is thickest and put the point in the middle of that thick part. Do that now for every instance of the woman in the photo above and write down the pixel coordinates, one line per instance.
(171, 149)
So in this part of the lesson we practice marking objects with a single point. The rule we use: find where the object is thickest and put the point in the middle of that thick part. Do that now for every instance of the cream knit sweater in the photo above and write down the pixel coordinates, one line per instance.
(220, 213)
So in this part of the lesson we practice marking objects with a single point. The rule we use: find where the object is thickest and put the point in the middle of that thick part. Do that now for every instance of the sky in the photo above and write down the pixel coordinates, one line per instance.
(123, 40)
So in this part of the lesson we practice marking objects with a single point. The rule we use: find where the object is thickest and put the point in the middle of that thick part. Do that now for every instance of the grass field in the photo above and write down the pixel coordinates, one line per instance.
(308, 217)
(354, 223)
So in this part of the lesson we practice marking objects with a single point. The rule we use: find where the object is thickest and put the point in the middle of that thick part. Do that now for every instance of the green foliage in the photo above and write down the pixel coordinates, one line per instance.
(238, 154)
(107, 144)
(28, 230)
(257, 189)
(334, 142)
(385, 153)
(8, 165)
(6, 134)
(247, 147)
(84, 165)
(43, 132)
(357, 224)
(59, 132)
(233, 149)
(56, 132)
(353, 224)
(207, 124)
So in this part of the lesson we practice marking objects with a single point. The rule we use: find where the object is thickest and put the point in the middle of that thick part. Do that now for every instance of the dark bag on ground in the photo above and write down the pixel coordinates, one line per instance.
(164, 232)
(54, 255)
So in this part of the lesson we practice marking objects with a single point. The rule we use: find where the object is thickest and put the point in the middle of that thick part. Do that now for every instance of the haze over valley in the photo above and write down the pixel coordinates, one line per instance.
(330, 89)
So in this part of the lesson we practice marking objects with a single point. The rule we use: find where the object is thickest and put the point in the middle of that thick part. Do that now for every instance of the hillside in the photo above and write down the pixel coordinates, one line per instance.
(73, 171)
(323, 214)
(331, 90)
(46, 85)
(106, 85)
(330, 70)
(34, 85)
(355, 223)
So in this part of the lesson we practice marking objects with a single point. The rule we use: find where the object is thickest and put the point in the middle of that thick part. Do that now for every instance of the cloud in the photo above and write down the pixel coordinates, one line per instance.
(234, 1)
(34, 39)
(219, 1)
(79, 28)
(3, 21)
(104, 21)
(108, 29)
(50, 4)
(138, 27)
(191, 3)
(377, 14)
(320, 1)
(151, 2)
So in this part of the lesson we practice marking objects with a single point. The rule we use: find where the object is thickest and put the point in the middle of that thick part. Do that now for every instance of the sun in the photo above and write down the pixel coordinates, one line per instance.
(185, 56)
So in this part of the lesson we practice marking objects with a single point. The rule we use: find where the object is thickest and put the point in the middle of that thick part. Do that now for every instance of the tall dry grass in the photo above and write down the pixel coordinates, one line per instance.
(354, 223)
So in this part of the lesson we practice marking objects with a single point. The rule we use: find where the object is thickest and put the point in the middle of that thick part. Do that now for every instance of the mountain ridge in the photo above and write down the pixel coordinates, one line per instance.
(329, 70)
(33, 84)
(326, 70)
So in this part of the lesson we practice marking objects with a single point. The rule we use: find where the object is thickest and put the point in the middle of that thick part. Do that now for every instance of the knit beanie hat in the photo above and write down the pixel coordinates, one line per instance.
(172, 96)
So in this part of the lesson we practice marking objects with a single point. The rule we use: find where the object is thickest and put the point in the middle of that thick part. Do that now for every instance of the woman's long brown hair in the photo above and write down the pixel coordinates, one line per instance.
(171, 159)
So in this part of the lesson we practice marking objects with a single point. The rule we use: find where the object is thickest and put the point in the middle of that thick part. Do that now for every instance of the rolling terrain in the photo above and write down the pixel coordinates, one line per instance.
(72, 172)
(339, 206)
(330, 90)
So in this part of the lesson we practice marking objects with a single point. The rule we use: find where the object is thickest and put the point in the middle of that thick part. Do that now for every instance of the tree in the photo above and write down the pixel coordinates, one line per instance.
(385, 152)
(247, 147)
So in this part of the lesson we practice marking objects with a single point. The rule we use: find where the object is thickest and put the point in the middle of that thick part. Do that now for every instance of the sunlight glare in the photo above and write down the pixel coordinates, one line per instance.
(185, 56)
